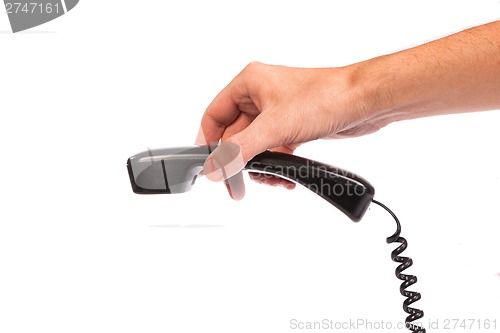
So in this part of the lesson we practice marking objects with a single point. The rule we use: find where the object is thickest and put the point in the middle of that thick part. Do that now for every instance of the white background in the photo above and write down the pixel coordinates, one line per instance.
(79, 252)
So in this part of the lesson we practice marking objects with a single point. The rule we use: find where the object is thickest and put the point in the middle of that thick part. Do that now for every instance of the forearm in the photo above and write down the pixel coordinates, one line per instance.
(458, 73)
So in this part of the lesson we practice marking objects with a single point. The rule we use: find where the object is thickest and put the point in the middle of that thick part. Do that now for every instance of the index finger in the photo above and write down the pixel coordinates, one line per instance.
(221, 113)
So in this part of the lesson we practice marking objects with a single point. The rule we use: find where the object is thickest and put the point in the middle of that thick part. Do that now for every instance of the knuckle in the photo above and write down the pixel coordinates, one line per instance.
(253, 67)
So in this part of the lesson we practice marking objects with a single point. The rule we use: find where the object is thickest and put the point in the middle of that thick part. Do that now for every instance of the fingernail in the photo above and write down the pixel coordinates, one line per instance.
(228, 187)
(224, 162)
(236, 186)
(213, 170)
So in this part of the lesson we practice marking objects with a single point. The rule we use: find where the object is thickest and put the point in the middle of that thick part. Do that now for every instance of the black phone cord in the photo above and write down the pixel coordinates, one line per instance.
(408, 280)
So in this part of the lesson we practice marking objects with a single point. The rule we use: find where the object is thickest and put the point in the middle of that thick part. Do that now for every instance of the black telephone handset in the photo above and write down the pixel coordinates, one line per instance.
(175, 170)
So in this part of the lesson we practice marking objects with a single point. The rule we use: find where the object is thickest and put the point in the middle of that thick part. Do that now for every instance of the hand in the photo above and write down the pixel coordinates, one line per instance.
(279, 108)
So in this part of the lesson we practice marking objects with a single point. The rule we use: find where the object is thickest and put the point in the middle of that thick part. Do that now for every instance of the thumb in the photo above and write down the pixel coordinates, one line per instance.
(232, 155)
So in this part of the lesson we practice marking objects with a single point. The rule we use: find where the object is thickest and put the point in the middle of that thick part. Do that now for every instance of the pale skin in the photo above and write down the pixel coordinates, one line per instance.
(278, 108)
